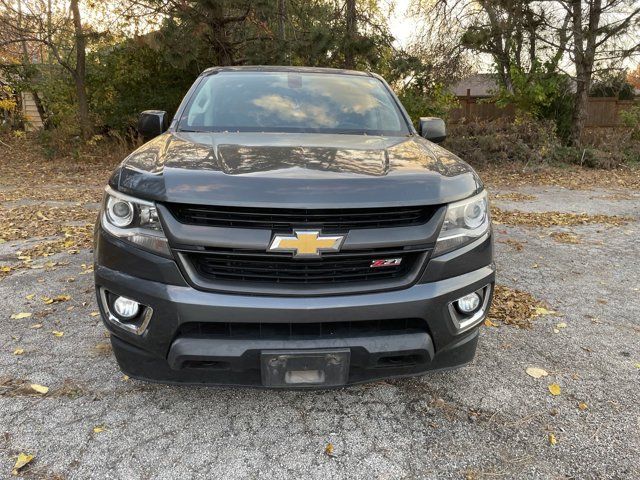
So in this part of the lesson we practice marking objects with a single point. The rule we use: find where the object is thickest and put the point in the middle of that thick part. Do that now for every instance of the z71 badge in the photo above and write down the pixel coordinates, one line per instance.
(386, 262)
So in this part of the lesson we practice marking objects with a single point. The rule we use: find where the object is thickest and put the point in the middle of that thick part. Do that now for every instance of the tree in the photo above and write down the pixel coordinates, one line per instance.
(577, 37)
(506, 30)
(79, 73)
(351, 29)
(37, 23)
(282, 30)
(612, 84)
(633, 77)
(598, 33)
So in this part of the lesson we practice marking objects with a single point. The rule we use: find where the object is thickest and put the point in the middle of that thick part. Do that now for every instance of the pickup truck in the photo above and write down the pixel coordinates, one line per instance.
(291, 228)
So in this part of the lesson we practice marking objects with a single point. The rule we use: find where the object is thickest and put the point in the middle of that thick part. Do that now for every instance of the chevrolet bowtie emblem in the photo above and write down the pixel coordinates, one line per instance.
(306, 243)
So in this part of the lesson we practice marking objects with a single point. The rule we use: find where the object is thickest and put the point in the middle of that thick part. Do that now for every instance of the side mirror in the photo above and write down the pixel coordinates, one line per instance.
(432, 128)
(152, 123)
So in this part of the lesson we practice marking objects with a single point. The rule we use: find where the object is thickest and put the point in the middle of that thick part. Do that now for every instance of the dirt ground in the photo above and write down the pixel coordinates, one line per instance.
(567, 255)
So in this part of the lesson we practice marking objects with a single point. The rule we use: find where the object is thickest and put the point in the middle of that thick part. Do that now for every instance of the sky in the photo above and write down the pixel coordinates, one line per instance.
(400, 24)
(403, 26)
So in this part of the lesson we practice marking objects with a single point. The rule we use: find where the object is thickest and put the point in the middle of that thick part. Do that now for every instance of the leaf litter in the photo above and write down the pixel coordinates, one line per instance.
(515, 307)
(553, 219)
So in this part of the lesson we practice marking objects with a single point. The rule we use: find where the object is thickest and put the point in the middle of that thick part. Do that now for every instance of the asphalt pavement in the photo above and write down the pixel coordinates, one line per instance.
(487, 420)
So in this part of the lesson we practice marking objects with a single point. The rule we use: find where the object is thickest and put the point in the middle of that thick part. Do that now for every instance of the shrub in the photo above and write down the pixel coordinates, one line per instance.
(438, 102)
(523, 140)
(541, 93)
(127, 78)
(611, 147)
(631, 119)
(529, 141)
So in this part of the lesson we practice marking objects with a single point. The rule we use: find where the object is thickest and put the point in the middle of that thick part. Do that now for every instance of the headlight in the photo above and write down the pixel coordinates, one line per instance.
(134, 220)
(119, 212)
(464, 222)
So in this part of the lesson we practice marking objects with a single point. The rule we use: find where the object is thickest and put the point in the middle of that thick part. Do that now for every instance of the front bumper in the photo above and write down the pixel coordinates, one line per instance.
(163, 353)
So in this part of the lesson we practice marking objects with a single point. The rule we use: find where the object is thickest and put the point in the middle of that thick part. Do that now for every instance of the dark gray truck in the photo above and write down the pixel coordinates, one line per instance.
(291, 228)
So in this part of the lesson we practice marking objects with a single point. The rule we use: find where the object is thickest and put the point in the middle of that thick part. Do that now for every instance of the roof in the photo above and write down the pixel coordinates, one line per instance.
(278, 68)
(479, 84)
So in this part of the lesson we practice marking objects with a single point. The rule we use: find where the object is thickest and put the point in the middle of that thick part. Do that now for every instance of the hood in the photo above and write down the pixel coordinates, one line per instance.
(292, 170)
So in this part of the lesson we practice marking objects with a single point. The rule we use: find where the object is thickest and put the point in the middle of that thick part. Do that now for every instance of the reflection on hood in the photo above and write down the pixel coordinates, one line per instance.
(285, 167)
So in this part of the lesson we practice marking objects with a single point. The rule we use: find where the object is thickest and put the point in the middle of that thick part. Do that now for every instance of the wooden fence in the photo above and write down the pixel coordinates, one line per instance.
(601, 112)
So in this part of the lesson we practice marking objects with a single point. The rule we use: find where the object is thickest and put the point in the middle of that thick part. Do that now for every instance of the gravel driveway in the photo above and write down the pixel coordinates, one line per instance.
(488, 420)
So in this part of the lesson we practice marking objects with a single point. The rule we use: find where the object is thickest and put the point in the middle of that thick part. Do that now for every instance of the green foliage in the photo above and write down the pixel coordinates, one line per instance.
(612, 84)
(126, 76)
(58, 98)
(130, 77)
(541, 93)
(435, 102)
(631, 119)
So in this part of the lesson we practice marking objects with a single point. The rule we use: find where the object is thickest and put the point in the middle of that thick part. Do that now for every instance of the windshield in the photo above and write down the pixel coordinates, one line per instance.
(292, 102)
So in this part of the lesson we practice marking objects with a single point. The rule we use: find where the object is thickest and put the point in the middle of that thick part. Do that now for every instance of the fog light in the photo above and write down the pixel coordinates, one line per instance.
(126, 308)
(469, 303)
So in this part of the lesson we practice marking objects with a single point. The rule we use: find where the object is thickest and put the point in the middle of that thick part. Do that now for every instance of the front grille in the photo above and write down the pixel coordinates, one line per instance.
(289, 218)
(331, 268)
(293, 331)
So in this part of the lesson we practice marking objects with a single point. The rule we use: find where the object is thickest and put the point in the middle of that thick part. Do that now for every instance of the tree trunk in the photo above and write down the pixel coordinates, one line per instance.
(579, 114)
(282, 34)
(351, 31)
(23, 43)
(220, 41)
(79, 76)
(584, 54)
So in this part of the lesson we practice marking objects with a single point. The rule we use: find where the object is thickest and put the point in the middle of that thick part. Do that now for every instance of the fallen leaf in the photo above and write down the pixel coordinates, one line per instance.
(536, 372)
(582, 406)
(544, 311)
(56, 299)
(39, 388)
(103, 348)
(125, 378)
(99, 429)
(561, 325)
(18, 351)
(94, 314)
(552, 439)
(30, 296)
(489, 323)
(329, 449)
(22, 460)
(56, 333)
(36, 326)
(5, 269)
(637, 365)
(555, 330)
(554, 389)
(18, 316)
